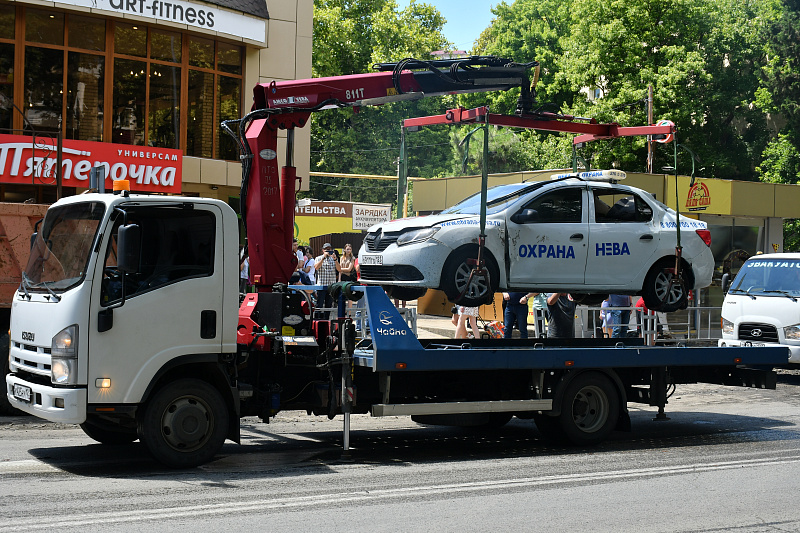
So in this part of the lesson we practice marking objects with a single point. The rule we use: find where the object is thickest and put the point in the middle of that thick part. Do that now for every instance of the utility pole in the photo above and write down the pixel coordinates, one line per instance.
(649, 169)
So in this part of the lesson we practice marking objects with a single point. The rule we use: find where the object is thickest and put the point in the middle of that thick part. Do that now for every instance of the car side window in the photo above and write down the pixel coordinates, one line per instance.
(175, 245)
(558, 206)
(620, 206)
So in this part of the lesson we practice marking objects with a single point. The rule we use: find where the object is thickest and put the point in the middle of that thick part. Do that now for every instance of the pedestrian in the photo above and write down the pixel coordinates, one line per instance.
(467, 315)
(327, 272)
(605, 316)
(516, 312)
(561, 324)
(296, 249)
(347, 264)
(621, 317)
(244, 271)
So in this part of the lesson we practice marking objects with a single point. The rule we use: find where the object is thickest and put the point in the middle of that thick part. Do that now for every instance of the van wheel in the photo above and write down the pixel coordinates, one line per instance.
(185, 423)
(589, 409)
(455, 278)
(657, 293)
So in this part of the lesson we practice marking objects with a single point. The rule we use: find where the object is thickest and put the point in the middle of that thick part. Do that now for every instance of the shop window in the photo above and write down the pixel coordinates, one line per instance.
(87, 33)
(130, 40)
(164, 106)
(200, 117)
(229, 58)
(85, 80)
(44, 70)
(201, 52)
(44, 27)
(130, 83)
(6, 85)
(165, 46)
(7, 22)
(230, 96)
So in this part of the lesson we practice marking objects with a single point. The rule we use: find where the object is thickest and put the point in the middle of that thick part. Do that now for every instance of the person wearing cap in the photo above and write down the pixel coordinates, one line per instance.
(327, 269)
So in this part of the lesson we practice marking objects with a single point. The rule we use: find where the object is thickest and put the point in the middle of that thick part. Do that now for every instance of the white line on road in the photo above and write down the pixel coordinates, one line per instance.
(194, 511)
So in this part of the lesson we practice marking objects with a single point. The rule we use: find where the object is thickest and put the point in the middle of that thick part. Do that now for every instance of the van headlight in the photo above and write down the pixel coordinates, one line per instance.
(792, 333)
(727, 327)
(416, 235)
(64, 356)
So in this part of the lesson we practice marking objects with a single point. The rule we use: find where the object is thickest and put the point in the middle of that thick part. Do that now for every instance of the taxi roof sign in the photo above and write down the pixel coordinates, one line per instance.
(594, 175)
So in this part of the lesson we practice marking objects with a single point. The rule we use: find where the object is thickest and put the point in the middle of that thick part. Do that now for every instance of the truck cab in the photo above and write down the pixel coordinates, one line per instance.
(762, 304)
(120, 289)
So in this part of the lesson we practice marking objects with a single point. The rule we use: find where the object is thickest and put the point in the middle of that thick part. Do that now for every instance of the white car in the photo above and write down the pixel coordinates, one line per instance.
(579, 233)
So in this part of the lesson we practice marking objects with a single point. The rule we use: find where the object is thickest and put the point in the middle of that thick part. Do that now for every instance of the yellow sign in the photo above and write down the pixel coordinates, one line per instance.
(699, 198)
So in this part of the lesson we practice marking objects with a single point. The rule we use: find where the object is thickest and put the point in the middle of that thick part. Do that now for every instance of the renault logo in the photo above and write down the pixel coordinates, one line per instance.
(756, 332)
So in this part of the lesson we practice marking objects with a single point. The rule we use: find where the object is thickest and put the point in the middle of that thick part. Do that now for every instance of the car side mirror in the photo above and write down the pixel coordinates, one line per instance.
(526, 215)
(725, 283)
(129, 244)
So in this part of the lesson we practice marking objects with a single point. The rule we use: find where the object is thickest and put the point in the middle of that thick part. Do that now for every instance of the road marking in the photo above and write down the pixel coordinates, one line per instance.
(194, 511)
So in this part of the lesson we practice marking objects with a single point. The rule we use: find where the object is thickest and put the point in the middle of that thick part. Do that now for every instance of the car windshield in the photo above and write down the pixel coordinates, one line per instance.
(497, 199)
(768, 277)
(62, 247)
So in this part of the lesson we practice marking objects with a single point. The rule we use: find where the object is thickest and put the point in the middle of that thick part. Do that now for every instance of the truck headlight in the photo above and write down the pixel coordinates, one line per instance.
(727, 326)
(64, 356)
(792, 333)
(416, 235)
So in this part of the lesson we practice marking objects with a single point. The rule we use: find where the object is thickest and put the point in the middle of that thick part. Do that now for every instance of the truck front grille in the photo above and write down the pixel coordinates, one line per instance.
(758, 332)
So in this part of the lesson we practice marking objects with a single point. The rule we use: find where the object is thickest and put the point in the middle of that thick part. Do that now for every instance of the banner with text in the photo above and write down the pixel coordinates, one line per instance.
(148, 169)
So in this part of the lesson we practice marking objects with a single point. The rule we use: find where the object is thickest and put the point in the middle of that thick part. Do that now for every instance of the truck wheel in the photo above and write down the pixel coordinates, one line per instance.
(184, 423)
(455, 276)
(589, 409)
(5, 405)
(657, 293)
(109, 434)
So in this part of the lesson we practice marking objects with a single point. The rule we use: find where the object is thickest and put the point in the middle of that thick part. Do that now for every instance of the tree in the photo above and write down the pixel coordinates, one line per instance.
(349, 37)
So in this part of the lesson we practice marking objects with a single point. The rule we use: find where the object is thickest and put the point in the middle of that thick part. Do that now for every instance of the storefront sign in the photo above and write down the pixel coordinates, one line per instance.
(366, 215)
(201, 16)
(147, 169)
(699, 198)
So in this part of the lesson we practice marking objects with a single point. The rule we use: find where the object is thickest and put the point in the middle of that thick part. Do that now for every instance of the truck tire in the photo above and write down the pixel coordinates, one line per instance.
(5, 406)
(656, 292)
(589, 409)
(455, 275)
(184, 424)
(109, 434)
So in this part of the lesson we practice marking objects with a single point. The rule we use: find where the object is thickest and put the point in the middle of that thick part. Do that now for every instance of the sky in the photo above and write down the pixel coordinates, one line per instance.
(466, 19)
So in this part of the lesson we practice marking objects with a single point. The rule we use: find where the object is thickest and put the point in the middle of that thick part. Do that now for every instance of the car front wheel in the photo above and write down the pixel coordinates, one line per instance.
(458, 286)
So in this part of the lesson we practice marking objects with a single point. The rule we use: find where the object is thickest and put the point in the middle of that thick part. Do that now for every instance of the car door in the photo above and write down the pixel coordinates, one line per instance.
(622, 237)
(548, 238)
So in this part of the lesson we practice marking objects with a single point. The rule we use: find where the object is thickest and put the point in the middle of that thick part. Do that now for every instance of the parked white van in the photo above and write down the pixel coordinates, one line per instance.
(762, 305)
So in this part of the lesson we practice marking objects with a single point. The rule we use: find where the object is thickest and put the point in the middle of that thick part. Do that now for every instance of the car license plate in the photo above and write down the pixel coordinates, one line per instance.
(751, 343)
(21, 392)
(370, 259)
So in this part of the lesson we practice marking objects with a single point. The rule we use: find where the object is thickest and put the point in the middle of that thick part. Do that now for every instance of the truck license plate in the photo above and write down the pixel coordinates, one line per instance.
(21, 392)
(751, 343)
(370, 259)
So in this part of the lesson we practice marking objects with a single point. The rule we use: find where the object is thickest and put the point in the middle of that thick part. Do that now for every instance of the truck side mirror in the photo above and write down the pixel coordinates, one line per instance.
(725, 283)
(129, 245)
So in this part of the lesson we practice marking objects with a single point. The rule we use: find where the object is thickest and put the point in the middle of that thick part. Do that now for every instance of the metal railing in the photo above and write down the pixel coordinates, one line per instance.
(693, 323)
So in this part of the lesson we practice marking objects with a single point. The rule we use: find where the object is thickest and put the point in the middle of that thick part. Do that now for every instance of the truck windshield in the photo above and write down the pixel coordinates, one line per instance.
(497, 199)
(768, 277)
(62, 247)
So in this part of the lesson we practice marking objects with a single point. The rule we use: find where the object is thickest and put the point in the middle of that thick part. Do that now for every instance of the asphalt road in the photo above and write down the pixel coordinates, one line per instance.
(729, 459)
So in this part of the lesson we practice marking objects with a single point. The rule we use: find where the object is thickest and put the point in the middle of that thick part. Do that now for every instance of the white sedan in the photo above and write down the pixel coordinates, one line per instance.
(584, 234)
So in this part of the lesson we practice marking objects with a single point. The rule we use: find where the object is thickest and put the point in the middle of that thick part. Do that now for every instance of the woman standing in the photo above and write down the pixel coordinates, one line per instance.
(347, 264)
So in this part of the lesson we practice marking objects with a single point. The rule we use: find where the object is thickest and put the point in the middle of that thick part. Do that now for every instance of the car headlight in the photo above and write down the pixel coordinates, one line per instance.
(64, 356)
(727, 326)
(416, 235)
(792, 333)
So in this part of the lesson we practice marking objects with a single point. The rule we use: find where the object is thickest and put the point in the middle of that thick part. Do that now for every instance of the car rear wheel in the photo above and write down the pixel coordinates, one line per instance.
(661, 291)
(458, 286)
